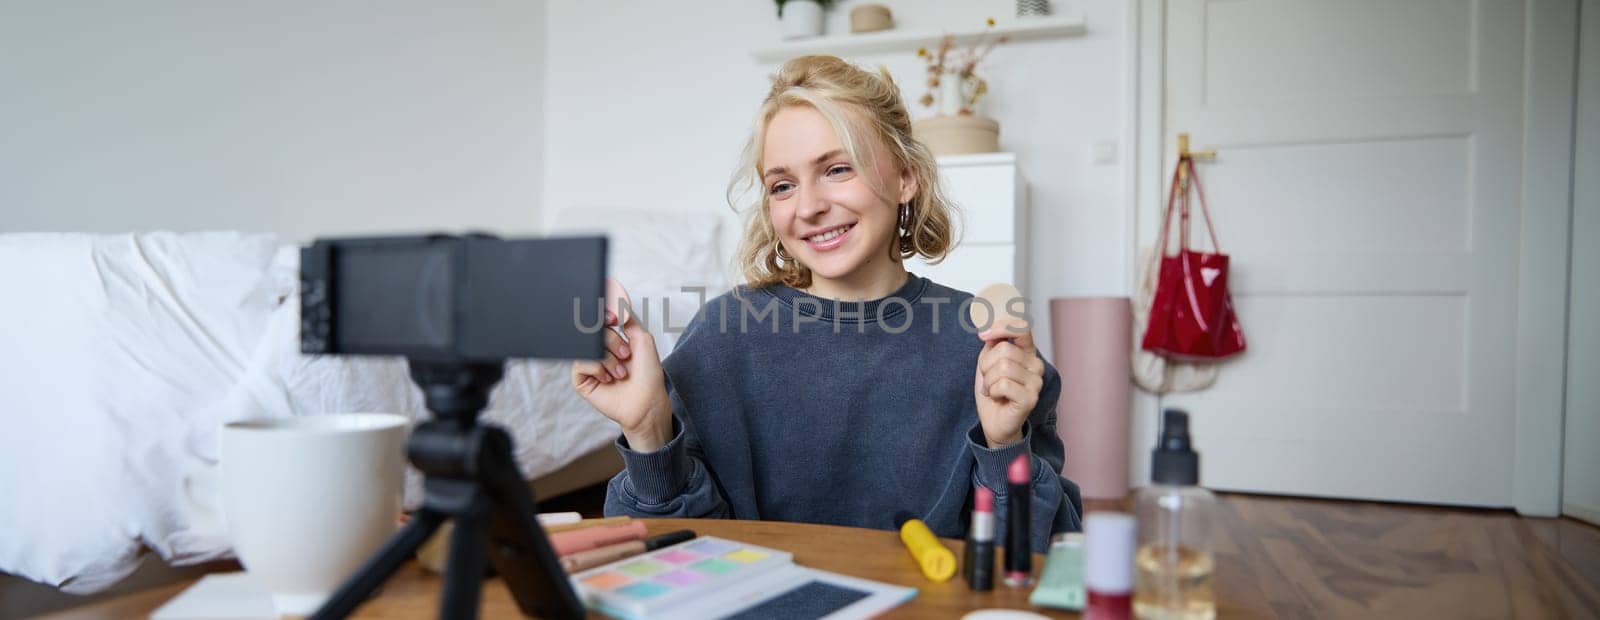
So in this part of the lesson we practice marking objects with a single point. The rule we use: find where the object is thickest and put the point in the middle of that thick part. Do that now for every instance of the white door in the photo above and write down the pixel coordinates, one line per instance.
(1367, 186)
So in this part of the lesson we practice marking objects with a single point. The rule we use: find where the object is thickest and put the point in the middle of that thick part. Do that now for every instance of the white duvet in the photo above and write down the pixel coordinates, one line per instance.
(121, 356)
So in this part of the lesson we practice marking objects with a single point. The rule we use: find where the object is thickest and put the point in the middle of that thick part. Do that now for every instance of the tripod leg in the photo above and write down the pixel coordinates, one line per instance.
(463, 575)
(380, 566)
(522, 553)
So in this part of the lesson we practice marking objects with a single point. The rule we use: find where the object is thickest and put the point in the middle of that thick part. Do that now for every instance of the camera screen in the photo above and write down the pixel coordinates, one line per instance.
(402, 299)
(447, 298)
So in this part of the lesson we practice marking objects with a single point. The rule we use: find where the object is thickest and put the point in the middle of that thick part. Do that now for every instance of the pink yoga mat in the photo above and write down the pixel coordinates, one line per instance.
(1090, 337)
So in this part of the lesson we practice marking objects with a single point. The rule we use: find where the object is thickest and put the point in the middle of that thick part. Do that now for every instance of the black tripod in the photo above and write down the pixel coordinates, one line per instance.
(470, 477)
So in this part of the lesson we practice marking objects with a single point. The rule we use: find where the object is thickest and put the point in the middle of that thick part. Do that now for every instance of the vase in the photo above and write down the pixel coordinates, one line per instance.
(801, 19)
(950, 94)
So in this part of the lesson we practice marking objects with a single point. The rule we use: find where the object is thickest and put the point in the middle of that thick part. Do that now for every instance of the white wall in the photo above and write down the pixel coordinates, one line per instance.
(649, 103)
(297, 117)
(1580, 496)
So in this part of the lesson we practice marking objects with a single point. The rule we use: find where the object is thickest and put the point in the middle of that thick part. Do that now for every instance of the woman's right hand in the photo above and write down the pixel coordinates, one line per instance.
(628, 385)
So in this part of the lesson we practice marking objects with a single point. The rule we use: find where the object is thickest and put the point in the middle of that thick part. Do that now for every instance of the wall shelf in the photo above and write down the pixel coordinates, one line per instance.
(1018, 29)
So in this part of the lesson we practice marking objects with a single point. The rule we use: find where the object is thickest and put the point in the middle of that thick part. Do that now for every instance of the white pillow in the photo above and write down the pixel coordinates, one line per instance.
(113, 344)
(124, 353)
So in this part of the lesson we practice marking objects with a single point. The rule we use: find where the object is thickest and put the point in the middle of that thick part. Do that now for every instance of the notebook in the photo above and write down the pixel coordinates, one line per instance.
(711, 577)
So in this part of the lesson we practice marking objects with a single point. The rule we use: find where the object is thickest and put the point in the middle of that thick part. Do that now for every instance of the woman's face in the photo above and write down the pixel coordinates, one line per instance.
(823, 208)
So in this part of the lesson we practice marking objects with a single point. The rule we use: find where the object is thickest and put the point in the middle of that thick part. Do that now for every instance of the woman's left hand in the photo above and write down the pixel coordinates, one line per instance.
(1009, 377)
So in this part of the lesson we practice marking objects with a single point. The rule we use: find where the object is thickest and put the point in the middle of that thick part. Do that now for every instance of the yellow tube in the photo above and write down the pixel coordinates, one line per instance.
(936, 561)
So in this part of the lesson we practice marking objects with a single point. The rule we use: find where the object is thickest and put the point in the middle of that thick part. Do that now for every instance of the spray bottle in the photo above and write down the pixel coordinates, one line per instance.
(1174, 562)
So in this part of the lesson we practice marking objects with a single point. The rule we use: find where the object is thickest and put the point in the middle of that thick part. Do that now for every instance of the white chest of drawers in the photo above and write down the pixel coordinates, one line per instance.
(992, 223)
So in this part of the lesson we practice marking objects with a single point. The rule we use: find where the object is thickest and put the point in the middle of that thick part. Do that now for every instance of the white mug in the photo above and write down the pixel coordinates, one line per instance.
(307, 499)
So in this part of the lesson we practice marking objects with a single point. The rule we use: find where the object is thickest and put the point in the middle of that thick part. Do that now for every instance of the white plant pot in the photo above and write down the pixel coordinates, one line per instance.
(801, 19)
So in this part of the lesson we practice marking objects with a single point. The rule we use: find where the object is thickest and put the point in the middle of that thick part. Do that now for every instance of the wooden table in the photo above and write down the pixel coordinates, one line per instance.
(870, 554)
(1276, 557)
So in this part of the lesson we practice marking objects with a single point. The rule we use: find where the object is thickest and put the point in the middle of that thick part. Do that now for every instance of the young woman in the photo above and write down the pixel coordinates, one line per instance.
(835, 386)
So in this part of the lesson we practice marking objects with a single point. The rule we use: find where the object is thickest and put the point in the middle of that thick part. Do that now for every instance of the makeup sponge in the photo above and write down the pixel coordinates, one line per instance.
(997, 315)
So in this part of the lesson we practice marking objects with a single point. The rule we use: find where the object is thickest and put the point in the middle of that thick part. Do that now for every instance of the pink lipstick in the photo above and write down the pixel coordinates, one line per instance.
(980, 573)
(1019, 549)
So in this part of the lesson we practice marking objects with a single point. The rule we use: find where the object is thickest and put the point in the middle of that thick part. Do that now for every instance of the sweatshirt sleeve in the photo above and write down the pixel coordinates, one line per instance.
(670, 482)
(1056, 505)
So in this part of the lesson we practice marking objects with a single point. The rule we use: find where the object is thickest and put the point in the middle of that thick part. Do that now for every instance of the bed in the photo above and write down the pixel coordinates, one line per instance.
(121, 356)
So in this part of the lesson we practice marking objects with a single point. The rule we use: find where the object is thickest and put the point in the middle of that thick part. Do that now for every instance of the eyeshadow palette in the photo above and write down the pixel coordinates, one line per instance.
(711, 577)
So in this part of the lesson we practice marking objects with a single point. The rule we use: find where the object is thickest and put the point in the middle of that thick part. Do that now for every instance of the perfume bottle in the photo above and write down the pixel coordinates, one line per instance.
(1174, 562)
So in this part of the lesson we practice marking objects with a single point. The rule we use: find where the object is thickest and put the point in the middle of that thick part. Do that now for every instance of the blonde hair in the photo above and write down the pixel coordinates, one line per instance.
(832, 87)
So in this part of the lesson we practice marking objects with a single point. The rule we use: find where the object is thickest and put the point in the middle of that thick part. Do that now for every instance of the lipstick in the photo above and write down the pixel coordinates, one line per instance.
(1019, 550)
(980, 575)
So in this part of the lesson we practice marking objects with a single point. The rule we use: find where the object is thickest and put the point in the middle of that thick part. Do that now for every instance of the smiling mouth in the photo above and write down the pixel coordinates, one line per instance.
(831, 234)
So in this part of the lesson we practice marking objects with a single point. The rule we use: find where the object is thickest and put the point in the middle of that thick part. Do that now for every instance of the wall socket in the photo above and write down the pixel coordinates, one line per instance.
(1104, 152)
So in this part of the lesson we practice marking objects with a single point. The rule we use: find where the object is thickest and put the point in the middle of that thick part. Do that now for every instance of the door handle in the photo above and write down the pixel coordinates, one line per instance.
(1183, 149)
(1185, 153)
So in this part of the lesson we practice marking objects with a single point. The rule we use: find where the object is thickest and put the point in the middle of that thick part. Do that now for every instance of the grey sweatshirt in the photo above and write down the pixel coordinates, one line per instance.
(787, 407)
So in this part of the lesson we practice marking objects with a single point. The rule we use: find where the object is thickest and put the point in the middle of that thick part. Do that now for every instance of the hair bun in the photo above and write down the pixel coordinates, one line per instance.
(806, 71)
(817, 71)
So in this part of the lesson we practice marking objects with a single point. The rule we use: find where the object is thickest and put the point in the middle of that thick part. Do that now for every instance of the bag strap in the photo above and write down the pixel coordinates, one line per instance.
(1166, 224)
(1201, 192)
(1183, 206)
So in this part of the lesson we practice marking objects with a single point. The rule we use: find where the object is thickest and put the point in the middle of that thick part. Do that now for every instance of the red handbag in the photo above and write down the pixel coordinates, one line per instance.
(1191, 315)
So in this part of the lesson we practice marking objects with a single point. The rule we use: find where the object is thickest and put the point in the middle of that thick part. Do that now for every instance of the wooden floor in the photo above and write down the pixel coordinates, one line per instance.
(1341, 559)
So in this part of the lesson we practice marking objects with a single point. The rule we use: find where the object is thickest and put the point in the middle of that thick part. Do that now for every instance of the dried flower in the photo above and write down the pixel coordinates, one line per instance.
(941, 66)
